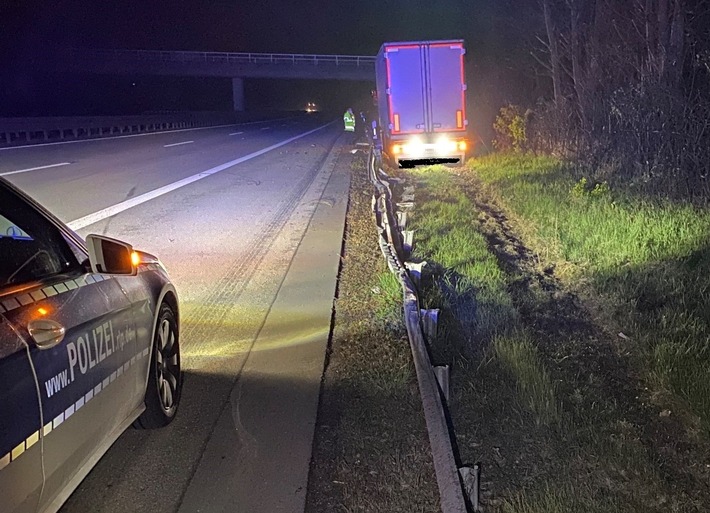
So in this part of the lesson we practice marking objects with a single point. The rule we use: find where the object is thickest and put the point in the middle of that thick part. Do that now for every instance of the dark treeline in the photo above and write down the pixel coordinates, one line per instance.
(629, 91)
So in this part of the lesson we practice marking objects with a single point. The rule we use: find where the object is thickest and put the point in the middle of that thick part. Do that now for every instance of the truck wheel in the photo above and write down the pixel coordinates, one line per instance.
(164, 388)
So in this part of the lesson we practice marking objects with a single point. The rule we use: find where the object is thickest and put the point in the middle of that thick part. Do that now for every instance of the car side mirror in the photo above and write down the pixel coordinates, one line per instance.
(110, 256)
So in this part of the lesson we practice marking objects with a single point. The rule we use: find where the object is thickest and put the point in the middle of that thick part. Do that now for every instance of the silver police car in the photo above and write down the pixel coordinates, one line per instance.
(89, 344)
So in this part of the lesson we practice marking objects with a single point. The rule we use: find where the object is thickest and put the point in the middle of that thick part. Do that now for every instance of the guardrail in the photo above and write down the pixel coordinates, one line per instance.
(21, 131)
(228, 57)
(458, 486)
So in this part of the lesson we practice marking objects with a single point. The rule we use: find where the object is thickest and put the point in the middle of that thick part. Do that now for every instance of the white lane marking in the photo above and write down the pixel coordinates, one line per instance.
(34, 168)
(236, 133)
(137, 135)
(77, 224)
(266, 128)
(177, 144)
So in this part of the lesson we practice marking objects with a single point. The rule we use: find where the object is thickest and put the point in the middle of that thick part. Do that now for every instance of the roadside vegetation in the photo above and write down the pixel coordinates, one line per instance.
(574, 318)
(647, 262)
(371, 450)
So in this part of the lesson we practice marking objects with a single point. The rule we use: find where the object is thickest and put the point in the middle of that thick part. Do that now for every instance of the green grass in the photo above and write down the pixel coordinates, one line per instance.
(388, 297)
(556, 499)
(461, 250)
(536, 390)
(575, 449)
(446, 235)
(648, 260)
(597, 232)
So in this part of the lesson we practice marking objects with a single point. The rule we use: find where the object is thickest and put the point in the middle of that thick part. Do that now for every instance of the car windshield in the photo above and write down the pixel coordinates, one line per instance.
(31, 247)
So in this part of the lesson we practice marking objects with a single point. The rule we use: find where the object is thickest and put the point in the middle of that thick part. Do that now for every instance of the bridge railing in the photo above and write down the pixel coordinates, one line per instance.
(231, 57)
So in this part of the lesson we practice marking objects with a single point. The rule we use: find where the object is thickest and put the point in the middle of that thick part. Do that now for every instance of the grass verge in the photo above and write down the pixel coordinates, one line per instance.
(561, 416)
(371, 451)
(648, 262)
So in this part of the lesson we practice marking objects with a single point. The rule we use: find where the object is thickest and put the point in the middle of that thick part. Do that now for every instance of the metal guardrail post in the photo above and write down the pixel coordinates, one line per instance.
(415, 270)
(430, 323)
(442, 377)
(408, 241)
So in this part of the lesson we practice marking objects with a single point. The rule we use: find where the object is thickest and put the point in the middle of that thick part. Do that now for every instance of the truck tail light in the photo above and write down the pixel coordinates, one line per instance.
(459, 119)
(396, 122)
(396, 149)
(462, 145)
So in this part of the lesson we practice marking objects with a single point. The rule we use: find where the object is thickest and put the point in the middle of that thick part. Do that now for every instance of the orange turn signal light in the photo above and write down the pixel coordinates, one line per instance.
(135, 259)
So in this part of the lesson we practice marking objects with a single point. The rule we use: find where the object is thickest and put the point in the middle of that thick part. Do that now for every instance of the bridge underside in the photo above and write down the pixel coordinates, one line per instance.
(235, 66)
(320, 71)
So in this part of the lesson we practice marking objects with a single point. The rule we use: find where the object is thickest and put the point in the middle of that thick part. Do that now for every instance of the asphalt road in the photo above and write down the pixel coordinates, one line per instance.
(248, 220)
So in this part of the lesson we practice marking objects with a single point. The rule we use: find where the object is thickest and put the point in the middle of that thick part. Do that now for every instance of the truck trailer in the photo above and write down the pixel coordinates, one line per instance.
(421, 98)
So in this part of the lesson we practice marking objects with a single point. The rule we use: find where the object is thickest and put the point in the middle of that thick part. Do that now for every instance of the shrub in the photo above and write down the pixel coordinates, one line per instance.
(511, 129)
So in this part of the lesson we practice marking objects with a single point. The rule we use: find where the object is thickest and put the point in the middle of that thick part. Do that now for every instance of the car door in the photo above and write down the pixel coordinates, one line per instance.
(143, 307)
(20, 452)
(81, 338)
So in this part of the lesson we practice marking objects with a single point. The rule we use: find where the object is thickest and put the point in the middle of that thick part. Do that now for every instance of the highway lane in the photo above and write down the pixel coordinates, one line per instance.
(231, 242)
(107, 171)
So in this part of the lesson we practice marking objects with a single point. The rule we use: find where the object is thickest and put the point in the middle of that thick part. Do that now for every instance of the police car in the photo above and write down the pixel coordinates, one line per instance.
(89, 344)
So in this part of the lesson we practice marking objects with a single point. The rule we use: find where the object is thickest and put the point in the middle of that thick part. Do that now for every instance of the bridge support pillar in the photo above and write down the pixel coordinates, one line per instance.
(238, 93)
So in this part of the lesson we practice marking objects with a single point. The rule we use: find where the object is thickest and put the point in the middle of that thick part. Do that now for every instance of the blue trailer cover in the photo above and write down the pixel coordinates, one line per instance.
(446, 87)
(407, 82)
(421, 87)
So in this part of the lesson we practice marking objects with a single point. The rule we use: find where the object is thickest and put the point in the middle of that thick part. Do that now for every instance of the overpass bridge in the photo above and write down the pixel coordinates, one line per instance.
(236, 66)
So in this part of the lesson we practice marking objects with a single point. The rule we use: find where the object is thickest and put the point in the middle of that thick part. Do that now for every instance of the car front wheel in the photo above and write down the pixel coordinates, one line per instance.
(165, 379)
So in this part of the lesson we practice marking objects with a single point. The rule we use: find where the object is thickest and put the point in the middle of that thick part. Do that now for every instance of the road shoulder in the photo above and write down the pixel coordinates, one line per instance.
(258, 456)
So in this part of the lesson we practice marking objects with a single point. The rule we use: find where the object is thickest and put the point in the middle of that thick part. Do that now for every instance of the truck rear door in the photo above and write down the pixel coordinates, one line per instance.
(446, 87)
(406, 80)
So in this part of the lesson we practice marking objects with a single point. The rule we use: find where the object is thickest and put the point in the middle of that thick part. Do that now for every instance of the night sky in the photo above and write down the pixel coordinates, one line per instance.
(356, 27)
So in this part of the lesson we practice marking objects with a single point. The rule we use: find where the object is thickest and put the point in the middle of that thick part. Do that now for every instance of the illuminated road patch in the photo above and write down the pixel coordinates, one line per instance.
(130, 203)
